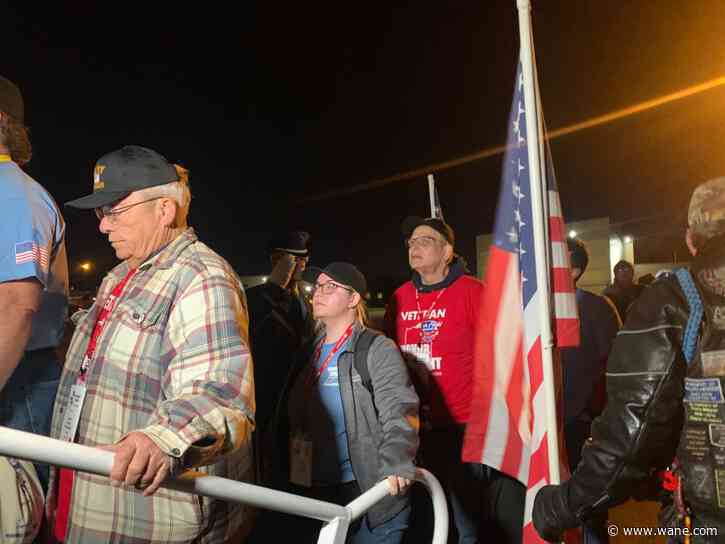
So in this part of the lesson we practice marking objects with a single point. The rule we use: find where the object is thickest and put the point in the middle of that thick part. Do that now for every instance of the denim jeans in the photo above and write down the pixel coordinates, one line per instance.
(481, 500)
(390, 532)
(26, 401)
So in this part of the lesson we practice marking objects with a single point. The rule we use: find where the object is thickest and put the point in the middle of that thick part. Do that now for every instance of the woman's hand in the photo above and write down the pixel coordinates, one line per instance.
(398, 485)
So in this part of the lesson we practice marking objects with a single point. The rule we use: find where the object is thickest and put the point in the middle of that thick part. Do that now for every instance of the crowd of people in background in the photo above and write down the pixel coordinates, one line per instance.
(174, 367)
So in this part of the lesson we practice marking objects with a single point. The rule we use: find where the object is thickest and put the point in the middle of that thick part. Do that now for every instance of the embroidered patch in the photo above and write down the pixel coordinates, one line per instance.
(30, 252)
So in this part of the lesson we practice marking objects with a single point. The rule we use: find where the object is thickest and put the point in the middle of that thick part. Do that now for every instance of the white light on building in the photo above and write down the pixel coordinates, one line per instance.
(572, 234)
(627, 239)
(616, 251)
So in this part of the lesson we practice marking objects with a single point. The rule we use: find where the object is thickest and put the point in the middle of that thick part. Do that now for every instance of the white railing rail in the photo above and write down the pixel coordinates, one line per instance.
(42, 449)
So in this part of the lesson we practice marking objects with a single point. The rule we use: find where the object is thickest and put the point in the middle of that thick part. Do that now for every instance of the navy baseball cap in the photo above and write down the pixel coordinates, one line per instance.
(120, 173)
(413, 222)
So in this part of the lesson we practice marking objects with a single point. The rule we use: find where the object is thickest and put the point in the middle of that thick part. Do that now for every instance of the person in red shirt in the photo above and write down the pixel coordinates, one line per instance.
(433, 317)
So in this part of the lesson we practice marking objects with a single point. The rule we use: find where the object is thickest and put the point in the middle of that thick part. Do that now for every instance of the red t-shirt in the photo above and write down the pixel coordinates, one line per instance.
(436, 334)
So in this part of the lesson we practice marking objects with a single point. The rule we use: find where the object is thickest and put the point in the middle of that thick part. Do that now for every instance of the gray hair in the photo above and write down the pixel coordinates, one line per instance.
(178, 191)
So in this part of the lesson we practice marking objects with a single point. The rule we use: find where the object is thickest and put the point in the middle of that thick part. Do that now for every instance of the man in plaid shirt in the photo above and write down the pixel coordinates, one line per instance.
(158, 371)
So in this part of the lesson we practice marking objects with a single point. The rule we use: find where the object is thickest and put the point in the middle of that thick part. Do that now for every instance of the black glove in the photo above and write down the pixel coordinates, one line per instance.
(551, 515)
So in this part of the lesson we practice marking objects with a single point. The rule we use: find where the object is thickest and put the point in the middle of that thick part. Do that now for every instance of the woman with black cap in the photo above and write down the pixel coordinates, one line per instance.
(348, 417)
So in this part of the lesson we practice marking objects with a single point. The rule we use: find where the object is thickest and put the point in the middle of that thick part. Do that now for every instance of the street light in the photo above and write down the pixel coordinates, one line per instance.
(86, 266)
(572, 234)
(627, 239)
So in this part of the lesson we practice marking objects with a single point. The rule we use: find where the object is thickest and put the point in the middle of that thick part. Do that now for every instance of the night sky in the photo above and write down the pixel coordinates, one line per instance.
(278, 102)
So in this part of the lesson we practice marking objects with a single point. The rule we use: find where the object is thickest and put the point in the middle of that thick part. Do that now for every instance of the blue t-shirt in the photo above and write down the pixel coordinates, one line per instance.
(32, 245)
(330, 455)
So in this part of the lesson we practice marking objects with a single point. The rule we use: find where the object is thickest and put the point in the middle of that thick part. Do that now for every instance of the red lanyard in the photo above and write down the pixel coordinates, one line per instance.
(314, 376)
(429, 310)
(101, 321)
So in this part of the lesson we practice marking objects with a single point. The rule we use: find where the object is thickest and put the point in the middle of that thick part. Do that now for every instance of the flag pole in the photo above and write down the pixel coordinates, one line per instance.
(431, 193)
(540, 230)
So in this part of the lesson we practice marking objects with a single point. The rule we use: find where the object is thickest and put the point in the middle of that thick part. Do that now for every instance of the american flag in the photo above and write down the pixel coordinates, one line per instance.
(508, 426)
(28, 252)
(436, 211)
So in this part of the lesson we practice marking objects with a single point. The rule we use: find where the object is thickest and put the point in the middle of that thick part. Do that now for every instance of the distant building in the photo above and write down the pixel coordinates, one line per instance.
(606, 245)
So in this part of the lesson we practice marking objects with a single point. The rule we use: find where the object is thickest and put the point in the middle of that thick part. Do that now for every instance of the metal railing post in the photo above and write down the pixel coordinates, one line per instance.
(337, 518)
(334, 532)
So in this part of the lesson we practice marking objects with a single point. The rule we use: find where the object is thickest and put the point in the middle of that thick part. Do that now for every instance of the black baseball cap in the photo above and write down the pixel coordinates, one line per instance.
(11, 100)
(120, 173)
(413, 222)
(342, 273)
(296, 242)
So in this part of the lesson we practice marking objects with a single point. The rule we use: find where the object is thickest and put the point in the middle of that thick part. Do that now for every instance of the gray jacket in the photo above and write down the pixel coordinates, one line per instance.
(382, 428)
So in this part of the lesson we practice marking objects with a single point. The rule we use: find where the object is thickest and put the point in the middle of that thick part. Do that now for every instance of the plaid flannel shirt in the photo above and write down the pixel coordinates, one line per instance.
(173, 361)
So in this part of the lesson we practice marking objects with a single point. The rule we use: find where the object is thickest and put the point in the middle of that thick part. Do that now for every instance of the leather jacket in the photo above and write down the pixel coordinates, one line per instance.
(641, 427)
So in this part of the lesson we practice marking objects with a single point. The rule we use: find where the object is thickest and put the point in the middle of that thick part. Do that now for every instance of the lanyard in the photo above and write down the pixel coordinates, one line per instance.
(423, 339)
(108, 307)
(314, 376)
(429, 310)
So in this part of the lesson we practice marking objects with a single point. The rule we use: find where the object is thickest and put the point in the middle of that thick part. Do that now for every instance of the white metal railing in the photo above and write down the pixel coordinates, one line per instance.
(42, 449)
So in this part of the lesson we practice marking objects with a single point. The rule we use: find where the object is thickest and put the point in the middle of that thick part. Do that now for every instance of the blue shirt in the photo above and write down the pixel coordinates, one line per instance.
(330, 455)
(32, 245)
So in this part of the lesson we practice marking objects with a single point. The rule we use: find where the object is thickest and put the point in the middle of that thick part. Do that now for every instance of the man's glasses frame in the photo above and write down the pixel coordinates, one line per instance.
(422, 241)
(112, 213)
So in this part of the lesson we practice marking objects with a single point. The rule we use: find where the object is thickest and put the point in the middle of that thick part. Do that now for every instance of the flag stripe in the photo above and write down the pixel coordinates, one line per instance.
(559, 255)
(514, 445)
(483, 396)
(27, 252)
(563, 284)
(554, 204)
(565, 307)
(556, 229)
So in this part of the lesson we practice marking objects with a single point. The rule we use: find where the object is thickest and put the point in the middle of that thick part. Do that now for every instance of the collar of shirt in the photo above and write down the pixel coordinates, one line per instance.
(163, 259)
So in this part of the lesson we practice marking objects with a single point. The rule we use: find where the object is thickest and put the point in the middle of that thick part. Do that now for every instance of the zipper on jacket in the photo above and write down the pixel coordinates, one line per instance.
(344, 413)
(631, 374)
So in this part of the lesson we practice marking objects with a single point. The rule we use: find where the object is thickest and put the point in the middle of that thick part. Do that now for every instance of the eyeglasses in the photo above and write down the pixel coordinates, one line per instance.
(421, 241)
(112, 213)
(329, 287)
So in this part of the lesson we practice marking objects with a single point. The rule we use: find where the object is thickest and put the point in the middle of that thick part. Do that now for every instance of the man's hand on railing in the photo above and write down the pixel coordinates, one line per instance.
(398, 484)
(139, 462)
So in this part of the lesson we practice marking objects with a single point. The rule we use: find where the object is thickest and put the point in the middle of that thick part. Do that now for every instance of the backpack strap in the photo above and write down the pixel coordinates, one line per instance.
(362, 347)
(692, 329)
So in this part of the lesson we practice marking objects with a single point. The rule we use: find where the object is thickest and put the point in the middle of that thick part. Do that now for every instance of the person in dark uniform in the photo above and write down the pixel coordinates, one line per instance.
(584, 367)
(623, 291)
(280, 320)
